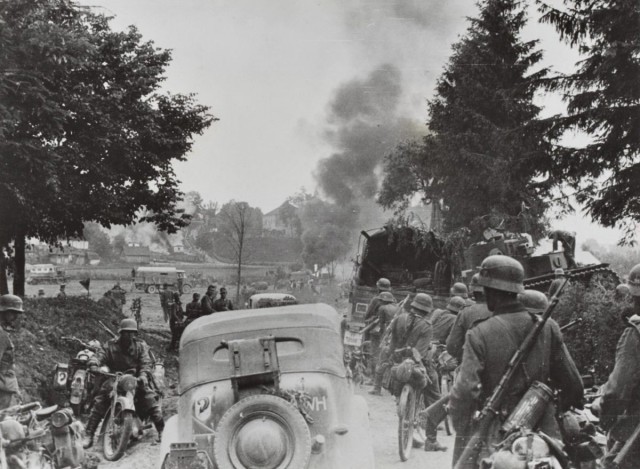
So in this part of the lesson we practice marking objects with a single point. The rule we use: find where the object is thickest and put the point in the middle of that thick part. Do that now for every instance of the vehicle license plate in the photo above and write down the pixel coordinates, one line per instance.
(353, 338)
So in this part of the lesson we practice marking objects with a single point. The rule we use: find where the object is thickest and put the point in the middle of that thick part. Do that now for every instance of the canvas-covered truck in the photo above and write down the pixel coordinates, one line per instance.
(152, 279)
(410, 258)
(45, 274)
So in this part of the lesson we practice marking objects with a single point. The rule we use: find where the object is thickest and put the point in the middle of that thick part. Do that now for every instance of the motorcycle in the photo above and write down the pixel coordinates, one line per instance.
(73, 377)
(121, 421)
(357, 353)
(36, 437)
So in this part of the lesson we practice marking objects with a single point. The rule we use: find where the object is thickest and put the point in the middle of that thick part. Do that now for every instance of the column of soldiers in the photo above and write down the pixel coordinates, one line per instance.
(179, 318)
(483, 333)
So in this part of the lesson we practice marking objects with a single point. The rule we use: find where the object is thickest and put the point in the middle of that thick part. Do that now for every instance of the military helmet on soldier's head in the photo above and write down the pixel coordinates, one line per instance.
(11, 303)
(534, 299)
(474, 285)
(502, 273)
(128, 324)
(456, 303)
(459, 289)
(422, 302)
(383, 284)
(634, 281)
(387, 297)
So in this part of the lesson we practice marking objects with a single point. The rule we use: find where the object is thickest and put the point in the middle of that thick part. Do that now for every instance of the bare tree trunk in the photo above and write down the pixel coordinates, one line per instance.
(19, 260)
(4, 284)
(240, 245)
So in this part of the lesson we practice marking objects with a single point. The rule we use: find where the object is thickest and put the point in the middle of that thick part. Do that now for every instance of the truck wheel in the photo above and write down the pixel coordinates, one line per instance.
(151, 289)
(262, 431)
(186, 289)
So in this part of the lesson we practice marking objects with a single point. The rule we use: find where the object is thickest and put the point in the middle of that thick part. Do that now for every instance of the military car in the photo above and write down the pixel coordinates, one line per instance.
(266, 388)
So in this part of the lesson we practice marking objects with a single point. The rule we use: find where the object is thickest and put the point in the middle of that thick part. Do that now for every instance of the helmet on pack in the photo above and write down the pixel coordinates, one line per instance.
(387, 297)
(456, 303)
(474, 286)
(634, 281)
(383, 284)
(128, 324)
(534, 299)
(459, 289)
(422, 302)
(502, 273)
(11, 303)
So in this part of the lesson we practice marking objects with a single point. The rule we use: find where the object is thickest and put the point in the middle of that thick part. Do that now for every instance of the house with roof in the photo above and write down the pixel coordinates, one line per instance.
(283, 221)
(136, 254)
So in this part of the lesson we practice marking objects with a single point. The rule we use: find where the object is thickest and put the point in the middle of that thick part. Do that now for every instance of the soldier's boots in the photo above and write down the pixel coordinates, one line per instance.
(433, 445)
(90, 430)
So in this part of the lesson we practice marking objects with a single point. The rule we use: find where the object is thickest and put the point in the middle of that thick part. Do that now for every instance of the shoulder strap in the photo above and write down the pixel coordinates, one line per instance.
(409, 328)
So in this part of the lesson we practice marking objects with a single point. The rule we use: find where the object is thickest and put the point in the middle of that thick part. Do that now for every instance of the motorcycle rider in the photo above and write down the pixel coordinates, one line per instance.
(619, 406)
(10, 309)
(413, 329)
(466, 319)
(124, 353)
(489, 347)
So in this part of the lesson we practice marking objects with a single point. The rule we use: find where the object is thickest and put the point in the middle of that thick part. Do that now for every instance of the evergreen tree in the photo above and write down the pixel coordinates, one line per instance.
(486, 154)
(604, 101)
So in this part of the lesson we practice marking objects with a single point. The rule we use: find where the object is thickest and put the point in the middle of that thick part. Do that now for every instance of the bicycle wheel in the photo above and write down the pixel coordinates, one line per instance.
(444, 390)
(406, 418)
(419, 431)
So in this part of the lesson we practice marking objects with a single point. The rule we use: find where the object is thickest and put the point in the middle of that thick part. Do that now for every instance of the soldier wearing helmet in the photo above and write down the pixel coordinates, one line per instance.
(384, 286)
(619, 406)
(461, 290)
(127, 352)
(414, 329)
(466, 319)
(489, 346)
(386, 313)
(10, 309)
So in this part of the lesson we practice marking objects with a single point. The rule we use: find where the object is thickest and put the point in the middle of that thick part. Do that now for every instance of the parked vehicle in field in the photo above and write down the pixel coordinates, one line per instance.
(266, 389)
(152, 279)
(271, 300)
(45, 274)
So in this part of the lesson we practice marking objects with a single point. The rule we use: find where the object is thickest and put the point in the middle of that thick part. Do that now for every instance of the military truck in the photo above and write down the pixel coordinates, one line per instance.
(45, 274)
(410, 258)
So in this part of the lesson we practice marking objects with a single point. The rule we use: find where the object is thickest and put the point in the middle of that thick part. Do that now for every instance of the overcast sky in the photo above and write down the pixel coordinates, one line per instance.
(277, 72)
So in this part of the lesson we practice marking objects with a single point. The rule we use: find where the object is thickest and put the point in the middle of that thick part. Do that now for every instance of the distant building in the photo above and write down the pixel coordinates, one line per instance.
(135, 254)
(283, 220)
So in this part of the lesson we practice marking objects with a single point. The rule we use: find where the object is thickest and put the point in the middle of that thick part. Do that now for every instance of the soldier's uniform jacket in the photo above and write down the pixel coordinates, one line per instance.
(412, 330)
(463, 322)
(372, 309)
(222, 305)
(117, 359)
(207, 305)
(620, 402)
(442, 321)
(194, 310)
(8, 380)
(386, 313)
(488, 348)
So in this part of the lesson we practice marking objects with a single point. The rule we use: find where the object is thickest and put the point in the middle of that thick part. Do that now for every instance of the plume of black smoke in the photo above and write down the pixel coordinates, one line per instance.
(365, 125)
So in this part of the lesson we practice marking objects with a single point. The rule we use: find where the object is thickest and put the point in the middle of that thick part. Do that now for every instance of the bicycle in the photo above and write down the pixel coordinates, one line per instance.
(410, 404)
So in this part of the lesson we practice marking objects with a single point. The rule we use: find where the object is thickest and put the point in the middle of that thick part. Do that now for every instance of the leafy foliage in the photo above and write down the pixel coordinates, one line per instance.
(86, 135)
(603, 98)
(484, 125)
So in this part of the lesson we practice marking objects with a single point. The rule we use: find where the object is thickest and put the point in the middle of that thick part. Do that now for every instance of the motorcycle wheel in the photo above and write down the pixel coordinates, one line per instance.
(116, 434)
(406, 419)
(444, 390)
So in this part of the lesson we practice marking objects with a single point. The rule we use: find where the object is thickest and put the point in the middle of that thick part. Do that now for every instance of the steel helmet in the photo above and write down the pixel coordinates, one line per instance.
(422, 302)
(383, 284)
(534, 299)
(459, 289)
(387, 297)
(623, 289)
(128, 324)
(558, 272)
(11, 303)
(456, 304)
(502, 273)
(474, 285)
(634, 281)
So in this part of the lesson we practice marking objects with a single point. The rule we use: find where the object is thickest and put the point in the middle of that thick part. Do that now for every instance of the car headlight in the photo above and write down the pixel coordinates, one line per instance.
(62, 417)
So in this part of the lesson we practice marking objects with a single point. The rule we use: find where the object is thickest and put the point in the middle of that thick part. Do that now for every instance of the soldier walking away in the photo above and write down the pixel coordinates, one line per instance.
(194, 309)
(62, 294)
(568, 241)
(207, 300)
(176, 322)
(619, 406)
(223, 303)
(413, 329)
(386, 314)
(166, 301)
(373, 336)
(534, 301)
(557, 281)
(10, 309)
(488, 349)
(124, 353)
(466, 319)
